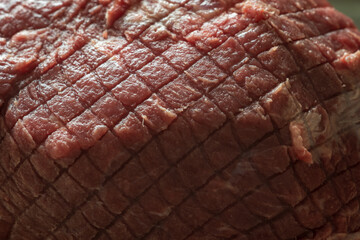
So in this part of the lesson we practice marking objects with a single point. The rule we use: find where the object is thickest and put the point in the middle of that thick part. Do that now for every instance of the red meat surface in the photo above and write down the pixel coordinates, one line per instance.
(178, 119)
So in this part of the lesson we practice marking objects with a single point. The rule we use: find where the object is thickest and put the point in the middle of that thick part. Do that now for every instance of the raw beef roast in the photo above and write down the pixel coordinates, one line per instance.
(178, 119)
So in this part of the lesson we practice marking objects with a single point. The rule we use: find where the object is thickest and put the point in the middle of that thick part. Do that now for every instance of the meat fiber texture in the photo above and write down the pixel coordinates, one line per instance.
(178, 119)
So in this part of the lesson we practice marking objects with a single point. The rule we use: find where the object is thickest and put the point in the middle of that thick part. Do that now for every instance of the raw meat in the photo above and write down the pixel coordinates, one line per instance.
(178, 119)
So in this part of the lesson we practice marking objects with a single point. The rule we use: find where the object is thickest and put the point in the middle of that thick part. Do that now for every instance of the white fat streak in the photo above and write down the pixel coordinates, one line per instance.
(348, 110)
(164, 213)
(292, 106)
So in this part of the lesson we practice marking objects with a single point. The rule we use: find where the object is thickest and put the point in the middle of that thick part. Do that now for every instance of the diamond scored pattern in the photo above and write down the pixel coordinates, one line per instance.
(172, 214)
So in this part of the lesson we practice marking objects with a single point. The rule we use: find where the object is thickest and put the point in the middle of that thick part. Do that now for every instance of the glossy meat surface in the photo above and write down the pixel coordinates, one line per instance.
(178, 119)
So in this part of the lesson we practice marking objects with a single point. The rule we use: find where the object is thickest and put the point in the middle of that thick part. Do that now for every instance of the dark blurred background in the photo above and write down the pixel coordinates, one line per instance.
(349, 7)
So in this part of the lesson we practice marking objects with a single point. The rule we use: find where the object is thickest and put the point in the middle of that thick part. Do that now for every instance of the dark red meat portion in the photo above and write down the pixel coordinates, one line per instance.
(178, 119)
